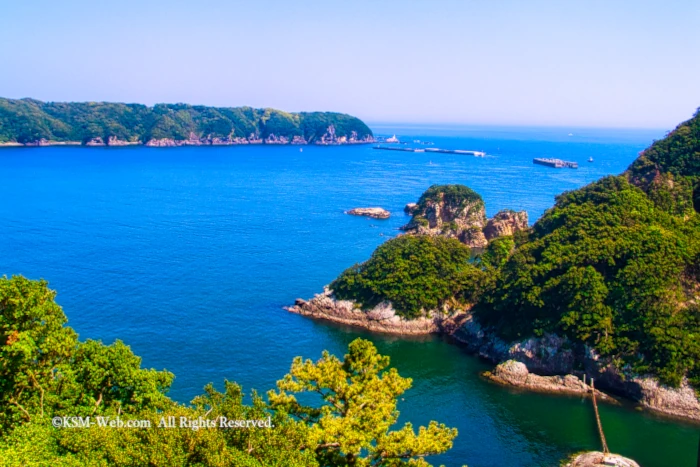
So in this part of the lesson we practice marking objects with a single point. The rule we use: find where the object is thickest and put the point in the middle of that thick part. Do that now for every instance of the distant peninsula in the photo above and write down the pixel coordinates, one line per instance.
(29, 122)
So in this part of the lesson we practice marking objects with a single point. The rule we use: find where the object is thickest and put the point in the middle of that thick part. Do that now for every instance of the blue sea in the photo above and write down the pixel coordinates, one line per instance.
(189, 254)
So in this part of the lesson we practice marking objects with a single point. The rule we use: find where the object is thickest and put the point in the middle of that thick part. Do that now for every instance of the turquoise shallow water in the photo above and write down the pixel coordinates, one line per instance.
(189, 254)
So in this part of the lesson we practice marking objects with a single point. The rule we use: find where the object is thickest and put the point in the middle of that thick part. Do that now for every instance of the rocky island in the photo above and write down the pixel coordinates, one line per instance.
(456, 211)
(33, 123)
(375, 213)
(605, 285)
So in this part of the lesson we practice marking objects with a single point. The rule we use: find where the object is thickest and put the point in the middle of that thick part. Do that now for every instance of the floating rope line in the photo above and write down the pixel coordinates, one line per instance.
(597, 419)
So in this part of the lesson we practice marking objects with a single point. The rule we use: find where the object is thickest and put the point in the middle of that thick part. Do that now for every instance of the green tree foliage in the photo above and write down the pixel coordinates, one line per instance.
(415, 273)
(353, 425)
(452, 195)
(45, 372)
(28, 120)
(44, 369)
(669, 170)
(678, 153)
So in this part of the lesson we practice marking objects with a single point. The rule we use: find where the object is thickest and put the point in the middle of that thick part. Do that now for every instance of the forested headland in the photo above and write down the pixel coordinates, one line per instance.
(37, 123)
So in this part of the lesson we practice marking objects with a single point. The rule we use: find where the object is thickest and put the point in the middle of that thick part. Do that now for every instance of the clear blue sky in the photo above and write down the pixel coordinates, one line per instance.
(571, 63)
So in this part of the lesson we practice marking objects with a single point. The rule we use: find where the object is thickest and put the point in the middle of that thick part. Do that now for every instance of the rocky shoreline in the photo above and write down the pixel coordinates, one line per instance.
(172, 143)
(545, 364)
(329, 138)
(381, 318)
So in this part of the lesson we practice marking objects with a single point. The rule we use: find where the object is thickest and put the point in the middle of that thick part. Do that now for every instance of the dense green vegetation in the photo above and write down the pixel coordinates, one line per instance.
(609, 268)
(46, 372)
(614, 265)
(453, 195)
(29, 120)
(415, 273)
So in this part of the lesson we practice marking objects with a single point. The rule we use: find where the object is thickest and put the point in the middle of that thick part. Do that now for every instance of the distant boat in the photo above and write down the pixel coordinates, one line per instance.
(301, 149)
(571, 134)
(393, 139)
(590, 159)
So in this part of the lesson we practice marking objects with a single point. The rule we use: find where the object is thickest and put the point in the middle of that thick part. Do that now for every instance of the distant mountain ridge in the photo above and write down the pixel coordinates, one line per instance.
(30, 122)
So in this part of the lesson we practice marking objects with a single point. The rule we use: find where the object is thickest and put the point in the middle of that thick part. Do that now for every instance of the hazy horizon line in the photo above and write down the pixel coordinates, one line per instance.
(370, 122)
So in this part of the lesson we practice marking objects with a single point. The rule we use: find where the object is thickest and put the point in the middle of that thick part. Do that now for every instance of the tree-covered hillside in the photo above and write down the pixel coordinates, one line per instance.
(29, 120)
(415, 273)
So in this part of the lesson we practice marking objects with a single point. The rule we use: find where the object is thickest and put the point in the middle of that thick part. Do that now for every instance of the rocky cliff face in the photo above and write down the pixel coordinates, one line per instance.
(505, 222)
(452, 211)
(458, 212)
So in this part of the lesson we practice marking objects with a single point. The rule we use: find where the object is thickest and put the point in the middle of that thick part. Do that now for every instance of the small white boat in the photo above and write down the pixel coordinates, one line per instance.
(590, 159)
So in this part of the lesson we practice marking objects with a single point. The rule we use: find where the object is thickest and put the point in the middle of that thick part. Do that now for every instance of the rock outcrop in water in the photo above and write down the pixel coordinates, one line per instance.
(456, 211)
(515, 373)
(375, 213)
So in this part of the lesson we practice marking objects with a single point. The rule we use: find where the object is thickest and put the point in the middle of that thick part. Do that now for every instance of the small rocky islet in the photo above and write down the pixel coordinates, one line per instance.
(374, 213)
(665, 179)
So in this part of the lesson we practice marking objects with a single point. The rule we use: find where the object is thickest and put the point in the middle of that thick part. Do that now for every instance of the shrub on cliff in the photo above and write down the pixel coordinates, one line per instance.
(415, 273)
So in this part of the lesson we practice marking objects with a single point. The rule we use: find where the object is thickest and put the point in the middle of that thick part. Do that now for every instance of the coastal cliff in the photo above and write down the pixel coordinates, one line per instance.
(29, 122)
(456, 211)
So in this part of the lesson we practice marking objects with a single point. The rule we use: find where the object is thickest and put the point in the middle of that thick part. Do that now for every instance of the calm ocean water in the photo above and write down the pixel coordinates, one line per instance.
(189, 254)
